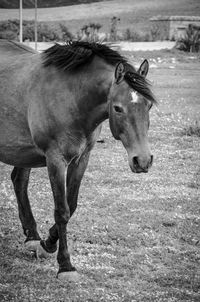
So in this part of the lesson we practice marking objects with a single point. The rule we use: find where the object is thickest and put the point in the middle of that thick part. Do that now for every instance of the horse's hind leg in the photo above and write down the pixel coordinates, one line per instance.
(20, 179)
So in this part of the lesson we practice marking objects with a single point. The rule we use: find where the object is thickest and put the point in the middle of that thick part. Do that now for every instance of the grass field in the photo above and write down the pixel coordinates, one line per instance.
(134, 237)
(134, 14)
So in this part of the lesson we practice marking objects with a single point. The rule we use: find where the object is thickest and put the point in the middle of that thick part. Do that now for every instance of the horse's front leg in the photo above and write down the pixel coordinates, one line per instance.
(57, 169)
(75, 174)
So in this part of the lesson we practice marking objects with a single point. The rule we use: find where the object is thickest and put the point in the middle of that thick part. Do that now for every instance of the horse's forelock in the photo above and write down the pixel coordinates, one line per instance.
(140, 84)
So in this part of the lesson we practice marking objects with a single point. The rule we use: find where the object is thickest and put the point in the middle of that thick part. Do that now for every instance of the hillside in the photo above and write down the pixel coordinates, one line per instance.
(134, 15)
(42, 3)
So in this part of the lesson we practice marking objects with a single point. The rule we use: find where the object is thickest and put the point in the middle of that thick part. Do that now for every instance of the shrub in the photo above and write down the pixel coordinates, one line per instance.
(114, 28)
(135, 36)
(9, 29)
(159, 31)
(8, 34)
(155, 32)
(90, 32)
(66, 35)
(127, 35)
(191, 41)
(46, 31)
(28, 31)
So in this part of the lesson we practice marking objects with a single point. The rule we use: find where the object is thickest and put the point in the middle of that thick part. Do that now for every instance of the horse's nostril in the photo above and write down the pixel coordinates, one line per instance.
(142, 165)
(135, 161)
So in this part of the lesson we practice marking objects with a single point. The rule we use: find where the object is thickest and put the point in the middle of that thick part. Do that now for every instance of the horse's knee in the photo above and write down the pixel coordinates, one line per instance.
(61, 216)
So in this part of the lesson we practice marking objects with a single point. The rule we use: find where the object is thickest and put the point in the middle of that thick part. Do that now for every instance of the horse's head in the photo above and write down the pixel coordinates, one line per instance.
(130, 100)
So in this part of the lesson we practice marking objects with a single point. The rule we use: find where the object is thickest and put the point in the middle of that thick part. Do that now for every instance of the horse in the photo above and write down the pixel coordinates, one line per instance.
(52, 105)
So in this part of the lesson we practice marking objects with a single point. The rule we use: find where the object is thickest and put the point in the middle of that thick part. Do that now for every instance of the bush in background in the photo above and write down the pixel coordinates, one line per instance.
(134, 36)
(9, 29)
(89, 32)
(114, 28)
(191, 41)
(159, 31)
(46, 31)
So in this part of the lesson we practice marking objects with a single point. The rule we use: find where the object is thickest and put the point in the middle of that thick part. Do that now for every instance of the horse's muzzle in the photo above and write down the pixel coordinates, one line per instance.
(141, 165)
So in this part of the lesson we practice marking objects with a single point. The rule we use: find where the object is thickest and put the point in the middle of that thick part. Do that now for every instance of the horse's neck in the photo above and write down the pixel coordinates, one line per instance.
(76, 100)
(98, 90)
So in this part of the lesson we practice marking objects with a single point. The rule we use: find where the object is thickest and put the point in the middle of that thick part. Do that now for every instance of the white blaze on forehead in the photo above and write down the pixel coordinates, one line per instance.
(134, 96)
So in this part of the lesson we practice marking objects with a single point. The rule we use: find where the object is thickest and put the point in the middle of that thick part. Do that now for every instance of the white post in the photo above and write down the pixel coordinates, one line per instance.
(20, 22)
(36, 37)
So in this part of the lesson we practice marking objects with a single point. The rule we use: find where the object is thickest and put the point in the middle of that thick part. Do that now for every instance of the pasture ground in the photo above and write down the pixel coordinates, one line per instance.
(134, 237)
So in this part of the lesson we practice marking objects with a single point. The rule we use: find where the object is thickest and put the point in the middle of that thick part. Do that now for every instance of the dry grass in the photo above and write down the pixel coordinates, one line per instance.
(192, 130)
(135, 237)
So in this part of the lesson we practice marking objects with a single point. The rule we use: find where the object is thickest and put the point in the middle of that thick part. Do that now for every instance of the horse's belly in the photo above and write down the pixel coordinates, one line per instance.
(19, 150)
(26, 156)
(16, 144)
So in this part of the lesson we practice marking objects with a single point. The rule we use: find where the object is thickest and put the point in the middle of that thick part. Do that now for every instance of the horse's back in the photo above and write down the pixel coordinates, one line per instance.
(17, 72)
(10, 48)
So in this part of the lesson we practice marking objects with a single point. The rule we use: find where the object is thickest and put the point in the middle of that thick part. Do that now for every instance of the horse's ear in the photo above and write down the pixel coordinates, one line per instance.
(119, 72)
(144, 68)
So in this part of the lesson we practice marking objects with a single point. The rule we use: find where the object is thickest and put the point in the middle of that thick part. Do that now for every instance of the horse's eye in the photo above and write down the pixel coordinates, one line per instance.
(118, 109)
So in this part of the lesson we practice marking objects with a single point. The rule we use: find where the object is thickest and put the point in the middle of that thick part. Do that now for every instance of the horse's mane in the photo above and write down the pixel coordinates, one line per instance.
(74, 54)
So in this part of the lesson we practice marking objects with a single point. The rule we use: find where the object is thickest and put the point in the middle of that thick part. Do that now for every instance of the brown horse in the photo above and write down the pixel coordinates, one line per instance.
(51, 109)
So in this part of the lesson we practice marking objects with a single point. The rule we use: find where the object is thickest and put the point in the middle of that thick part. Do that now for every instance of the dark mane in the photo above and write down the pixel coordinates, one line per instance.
(74, 54)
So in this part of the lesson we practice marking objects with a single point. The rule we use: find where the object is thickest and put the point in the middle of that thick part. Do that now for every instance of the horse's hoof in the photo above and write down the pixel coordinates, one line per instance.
(65, 277)
(35, 247)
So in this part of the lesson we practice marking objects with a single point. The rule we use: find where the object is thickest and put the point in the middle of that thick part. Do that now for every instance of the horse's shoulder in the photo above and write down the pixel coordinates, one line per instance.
(14, 47)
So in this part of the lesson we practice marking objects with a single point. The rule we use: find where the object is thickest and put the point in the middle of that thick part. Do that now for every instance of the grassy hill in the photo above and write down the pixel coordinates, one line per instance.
(42, 3)
(134, 14)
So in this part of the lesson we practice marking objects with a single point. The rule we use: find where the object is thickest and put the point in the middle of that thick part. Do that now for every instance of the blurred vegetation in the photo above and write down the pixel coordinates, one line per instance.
(46, 31)
(135, 36)
(89, 32)
(55, 31)
(58, 31)
(114, 28)
(191, 41)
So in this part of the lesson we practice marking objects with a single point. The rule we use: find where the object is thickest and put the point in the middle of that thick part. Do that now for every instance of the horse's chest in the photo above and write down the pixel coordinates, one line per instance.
(77, 147)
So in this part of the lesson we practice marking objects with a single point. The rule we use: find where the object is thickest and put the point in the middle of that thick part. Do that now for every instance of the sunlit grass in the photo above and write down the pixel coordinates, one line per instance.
(134, 237)
(192, 130)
